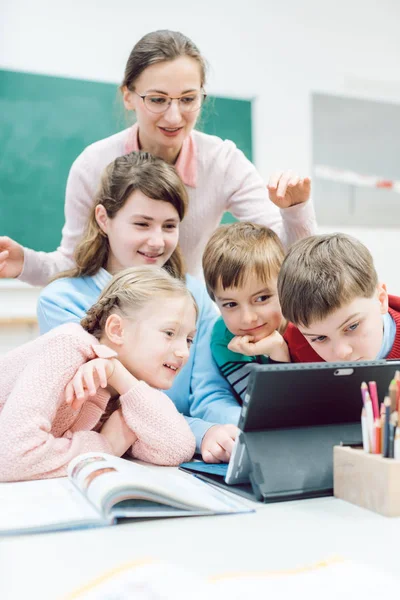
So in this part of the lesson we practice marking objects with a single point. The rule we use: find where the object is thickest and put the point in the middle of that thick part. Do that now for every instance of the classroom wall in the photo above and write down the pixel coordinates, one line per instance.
(275, 52)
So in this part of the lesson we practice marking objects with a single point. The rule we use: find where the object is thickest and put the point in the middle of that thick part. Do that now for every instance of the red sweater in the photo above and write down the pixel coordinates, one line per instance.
(301, 351)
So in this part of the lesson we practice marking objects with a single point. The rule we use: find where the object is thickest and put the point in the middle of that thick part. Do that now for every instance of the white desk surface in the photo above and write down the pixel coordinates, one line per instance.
(277, 536)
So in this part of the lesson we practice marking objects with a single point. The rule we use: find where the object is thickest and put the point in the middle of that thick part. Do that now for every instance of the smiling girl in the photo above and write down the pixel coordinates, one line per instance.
(135, 221)
(135, 338)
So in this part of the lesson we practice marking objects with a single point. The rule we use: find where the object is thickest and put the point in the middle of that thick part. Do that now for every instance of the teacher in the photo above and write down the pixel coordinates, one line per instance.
(164, 85)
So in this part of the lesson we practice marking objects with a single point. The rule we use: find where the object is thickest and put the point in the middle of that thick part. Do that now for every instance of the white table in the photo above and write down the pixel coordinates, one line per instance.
(277, 536)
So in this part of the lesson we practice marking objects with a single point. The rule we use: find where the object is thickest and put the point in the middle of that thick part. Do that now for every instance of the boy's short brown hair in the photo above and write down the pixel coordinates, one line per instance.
(322, 273)
(237, 250)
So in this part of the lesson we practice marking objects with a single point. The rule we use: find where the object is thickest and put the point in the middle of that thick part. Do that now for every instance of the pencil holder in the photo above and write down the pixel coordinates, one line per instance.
(368, 480)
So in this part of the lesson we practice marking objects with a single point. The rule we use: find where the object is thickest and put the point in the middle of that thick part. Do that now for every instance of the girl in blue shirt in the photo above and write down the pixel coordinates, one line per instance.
(135, 221)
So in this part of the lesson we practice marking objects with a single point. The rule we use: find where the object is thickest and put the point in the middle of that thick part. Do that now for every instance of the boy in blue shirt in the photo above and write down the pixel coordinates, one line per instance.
(241, 263)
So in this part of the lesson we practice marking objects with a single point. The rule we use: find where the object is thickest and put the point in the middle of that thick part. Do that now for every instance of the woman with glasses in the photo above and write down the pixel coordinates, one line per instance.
(164, 85)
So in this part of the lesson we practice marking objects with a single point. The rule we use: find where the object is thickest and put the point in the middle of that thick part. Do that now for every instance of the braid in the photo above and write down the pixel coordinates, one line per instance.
(97, 314)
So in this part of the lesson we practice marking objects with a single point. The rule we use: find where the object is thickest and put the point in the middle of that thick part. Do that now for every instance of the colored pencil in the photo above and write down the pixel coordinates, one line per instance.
(387, 423)
(383, 419)
(364, 430)
(364, 390)
(370, 420)
(374, 397)
(397, 444)
(392, 430)
(377, 439)
(393, 395)
(397, 379)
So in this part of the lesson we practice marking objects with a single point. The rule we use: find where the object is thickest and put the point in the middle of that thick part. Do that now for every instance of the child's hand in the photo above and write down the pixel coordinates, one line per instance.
(88, 379)
(218, 443)
(288, 189)
(121, 380)
(118, 434)
(273, 346)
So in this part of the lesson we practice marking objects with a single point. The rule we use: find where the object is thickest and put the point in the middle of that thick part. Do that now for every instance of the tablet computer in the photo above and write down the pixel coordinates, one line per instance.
(307, 394)
(293, 415)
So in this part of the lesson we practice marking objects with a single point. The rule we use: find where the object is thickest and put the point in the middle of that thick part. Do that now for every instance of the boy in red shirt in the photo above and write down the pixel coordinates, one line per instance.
(337, 310)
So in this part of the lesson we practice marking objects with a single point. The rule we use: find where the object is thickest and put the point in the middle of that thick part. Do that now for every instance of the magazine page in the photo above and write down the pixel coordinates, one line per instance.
(86, 469)
(44, 505)
(107, 480)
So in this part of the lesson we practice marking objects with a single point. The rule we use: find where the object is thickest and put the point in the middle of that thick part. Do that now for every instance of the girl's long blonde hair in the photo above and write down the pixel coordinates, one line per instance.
(129, 291)
(141, 171)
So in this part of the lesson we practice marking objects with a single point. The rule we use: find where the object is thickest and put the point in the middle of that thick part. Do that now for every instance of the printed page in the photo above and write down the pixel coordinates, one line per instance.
(46, 505)
(106, 479)
(85, 469)
(178, 489)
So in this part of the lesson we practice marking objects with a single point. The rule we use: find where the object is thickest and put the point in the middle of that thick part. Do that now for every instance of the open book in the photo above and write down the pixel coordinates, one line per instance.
(100, 489)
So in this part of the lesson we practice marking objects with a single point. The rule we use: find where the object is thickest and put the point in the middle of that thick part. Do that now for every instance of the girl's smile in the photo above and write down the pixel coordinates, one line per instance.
(143, 232)
(157, 343)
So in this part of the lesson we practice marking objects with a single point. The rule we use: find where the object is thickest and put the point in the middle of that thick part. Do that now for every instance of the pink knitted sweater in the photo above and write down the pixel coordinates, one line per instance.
(40, 434)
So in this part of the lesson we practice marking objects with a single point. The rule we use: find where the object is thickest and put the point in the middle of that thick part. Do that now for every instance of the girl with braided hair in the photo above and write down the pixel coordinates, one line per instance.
(135, 221)
(134, 339)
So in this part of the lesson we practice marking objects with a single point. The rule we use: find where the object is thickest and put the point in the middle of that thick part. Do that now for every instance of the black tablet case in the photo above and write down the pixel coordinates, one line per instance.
(292, 416)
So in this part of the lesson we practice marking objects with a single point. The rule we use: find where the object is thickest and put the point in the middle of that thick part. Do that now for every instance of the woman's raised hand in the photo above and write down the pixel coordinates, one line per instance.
(11, 258)
(288, 189)
(87, 380)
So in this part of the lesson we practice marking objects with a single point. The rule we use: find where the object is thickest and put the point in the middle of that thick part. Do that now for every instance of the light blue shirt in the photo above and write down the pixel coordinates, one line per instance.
(199, 391)
(389, 335)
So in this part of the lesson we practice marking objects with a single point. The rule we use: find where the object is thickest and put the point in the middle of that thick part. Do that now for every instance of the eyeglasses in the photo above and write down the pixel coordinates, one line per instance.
(158, 103)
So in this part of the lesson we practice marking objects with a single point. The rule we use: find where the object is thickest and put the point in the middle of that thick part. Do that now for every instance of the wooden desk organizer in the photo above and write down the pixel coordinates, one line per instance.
(367, 480)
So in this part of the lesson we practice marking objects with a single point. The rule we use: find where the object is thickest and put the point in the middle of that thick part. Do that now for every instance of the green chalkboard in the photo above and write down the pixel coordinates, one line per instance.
(46, 122)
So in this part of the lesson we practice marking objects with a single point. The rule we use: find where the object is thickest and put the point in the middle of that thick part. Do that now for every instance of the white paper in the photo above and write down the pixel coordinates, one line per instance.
(331, 580)
(42, 505)
(340, 580)
(154, 581)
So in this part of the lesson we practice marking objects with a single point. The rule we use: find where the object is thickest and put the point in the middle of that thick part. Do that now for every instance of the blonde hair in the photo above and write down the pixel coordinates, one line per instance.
(321, 274)
(141, 171)
(235, 251)
(129, 291)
